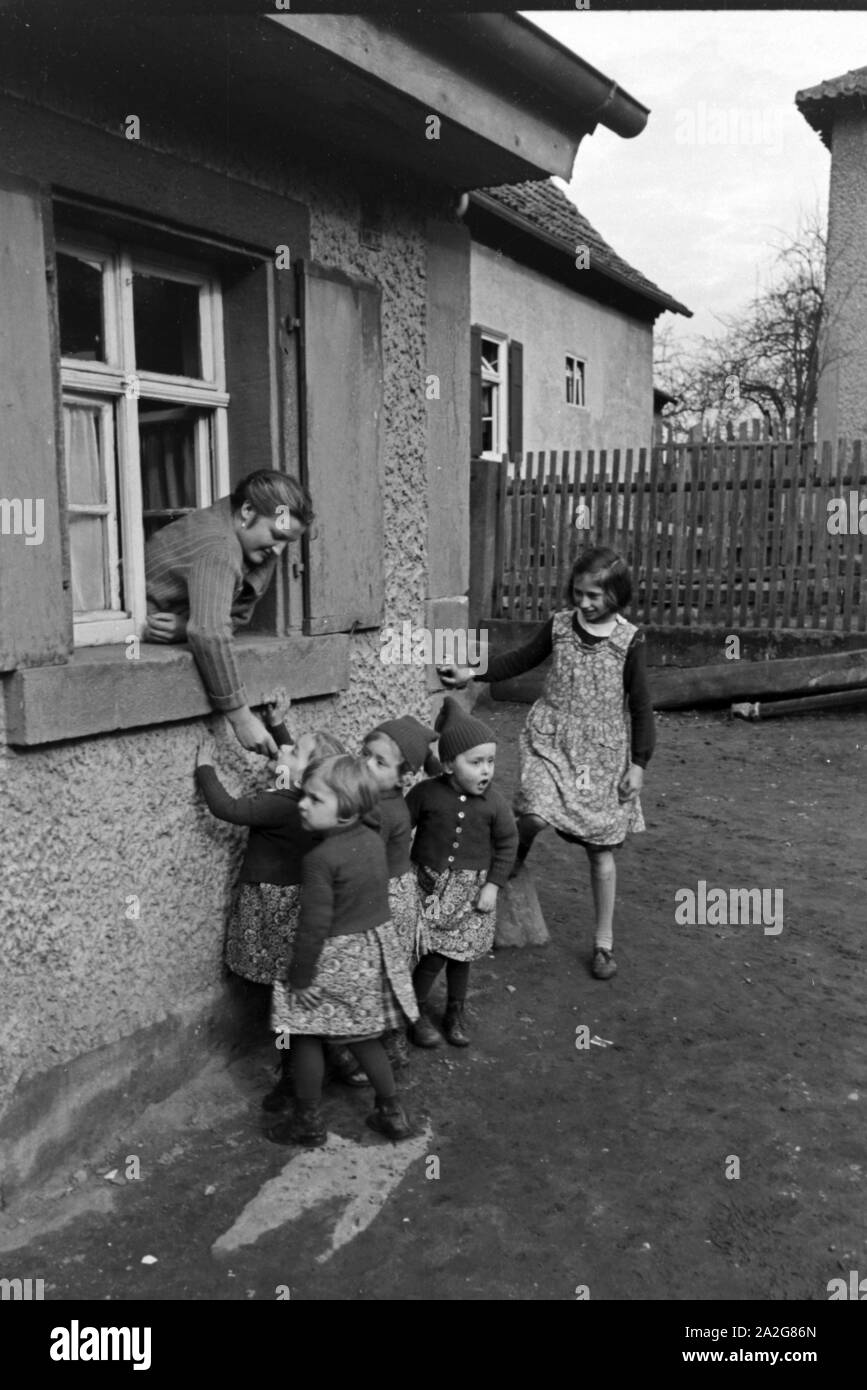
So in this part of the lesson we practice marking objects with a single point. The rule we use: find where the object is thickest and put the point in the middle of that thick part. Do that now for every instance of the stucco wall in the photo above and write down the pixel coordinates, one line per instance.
(842, 405)
(87, 823)
(551, 321)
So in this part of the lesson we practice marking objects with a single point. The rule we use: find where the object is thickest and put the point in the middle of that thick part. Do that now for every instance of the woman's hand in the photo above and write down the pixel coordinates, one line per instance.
(308, 998)
(455, 677)
(251, 732)
(165, 627)
(487, 900)
(630, 783)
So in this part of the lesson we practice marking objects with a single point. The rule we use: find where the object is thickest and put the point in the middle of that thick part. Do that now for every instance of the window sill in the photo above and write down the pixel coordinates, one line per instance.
(99, 690)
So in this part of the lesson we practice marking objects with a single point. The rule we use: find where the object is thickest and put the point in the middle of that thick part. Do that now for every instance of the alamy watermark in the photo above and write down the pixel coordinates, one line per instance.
(720, 907)
(23, 516)
(708, 124)
(847, 516)
(438, 646)
(22, 1290)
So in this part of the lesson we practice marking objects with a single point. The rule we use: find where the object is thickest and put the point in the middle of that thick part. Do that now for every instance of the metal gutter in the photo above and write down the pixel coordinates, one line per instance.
(564, 79)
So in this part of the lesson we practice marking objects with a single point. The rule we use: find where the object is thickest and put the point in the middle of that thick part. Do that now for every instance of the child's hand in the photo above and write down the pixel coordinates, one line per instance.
(308, 997)
(205, 753)
(487, 900)
(277, 710)
(630, 784)
(455, 677)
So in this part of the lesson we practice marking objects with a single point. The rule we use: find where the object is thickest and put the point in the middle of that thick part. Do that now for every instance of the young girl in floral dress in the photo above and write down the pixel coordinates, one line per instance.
(590, 736)
(464, 846)
(348, 980)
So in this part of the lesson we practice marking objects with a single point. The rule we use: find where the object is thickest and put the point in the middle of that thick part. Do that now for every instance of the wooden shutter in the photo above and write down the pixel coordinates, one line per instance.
(516, 398)
(341, 394)
(35, 607)
(475, 392)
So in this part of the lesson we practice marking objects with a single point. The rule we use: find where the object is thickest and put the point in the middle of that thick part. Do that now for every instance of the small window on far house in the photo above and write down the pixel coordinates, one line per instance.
(574, 380)
(144, 415)
(495, 404)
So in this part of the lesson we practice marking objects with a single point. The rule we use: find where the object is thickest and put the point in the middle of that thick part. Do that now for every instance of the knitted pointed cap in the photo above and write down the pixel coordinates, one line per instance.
(458, 731)
(411, 736)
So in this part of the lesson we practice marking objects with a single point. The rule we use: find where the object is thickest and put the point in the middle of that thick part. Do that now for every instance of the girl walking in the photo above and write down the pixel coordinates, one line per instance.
(590, 736)
(464, 847)
(266, 903)
(348, 980)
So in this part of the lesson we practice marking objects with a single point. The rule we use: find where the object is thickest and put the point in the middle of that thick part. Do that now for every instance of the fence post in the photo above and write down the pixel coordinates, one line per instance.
(487, 484)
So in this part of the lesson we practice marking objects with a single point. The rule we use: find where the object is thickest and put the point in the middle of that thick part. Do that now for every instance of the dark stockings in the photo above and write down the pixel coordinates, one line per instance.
(457, 976)
(309, 1067)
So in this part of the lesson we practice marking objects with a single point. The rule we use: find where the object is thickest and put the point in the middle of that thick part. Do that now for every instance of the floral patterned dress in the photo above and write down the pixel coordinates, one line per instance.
(364, 988)
(404, 905)
(449, 920)
(576, 744)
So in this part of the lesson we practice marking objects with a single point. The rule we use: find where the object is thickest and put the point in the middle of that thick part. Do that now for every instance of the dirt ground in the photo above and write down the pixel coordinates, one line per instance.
(558, 1167)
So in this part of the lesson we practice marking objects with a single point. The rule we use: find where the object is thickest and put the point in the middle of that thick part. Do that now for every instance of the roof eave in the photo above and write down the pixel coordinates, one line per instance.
(664, 301)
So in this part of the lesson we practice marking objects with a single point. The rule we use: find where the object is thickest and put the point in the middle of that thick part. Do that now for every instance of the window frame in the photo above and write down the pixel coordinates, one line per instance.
(500, 381)
(576, 361)
(118, 384)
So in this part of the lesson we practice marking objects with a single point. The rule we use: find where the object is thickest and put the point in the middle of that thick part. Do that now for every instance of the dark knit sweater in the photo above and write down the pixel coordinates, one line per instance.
(456, 831)
(344, 890)
(277, 842)
(635, 687)
(395, 827)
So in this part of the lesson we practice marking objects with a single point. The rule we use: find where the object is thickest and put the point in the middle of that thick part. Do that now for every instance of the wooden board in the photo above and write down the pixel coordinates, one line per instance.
(519, 916)
(343, 448)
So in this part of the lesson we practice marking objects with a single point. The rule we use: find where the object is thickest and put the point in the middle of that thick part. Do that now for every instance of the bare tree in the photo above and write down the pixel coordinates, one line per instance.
(767, 360)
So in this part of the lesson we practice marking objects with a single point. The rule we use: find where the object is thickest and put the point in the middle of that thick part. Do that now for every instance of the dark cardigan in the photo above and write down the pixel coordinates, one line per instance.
(395, 827)
(635, 687)
(278, 841)
(457, 831)
(344, 891)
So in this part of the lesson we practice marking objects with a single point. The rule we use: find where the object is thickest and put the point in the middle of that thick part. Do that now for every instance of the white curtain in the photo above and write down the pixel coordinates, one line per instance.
(87, 534)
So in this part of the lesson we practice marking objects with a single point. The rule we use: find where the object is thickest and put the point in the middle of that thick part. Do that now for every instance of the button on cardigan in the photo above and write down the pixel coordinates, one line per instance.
(457, 831)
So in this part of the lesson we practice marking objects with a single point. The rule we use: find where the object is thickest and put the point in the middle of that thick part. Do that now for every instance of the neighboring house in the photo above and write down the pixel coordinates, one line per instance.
(225, 242)
(837, 110)
(562, 342)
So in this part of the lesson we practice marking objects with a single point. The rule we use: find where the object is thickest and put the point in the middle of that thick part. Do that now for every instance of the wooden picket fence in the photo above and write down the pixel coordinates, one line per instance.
(730, 533)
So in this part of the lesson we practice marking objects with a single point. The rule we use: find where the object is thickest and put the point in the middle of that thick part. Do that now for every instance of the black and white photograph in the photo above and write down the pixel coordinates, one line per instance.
(433, 649)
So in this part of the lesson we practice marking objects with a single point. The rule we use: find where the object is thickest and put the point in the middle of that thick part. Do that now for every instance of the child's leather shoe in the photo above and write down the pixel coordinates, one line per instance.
(304, 1126)
(453, 1024)
(422, 1033)
(390, 1118)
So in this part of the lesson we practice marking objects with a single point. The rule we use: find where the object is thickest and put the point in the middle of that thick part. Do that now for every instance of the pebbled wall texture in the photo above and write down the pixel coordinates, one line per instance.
(115, 880)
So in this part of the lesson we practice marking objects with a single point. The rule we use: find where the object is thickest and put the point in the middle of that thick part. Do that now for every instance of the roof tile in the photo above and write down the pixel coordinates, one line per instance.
(547, 208)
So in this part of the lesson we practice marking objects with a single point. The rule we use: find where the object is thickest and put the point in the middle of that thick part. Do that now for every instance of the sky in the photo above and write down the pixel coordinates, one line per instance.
(727, 166)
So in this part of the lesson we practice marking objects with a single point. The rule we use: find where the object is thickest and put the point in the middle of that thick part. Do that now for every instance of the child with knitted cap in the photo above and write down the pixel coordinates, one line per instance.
(392, 751)
(465, 845)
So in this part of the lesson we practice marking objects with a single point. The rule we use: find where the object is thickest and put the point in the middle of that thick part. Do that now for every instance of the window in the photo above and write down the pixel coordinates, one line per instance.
(495, 417)
(574, 380)
(496, 394)
(144, 416)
